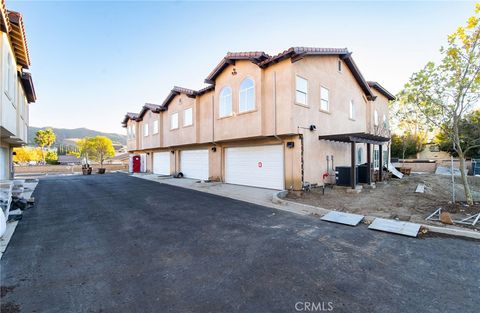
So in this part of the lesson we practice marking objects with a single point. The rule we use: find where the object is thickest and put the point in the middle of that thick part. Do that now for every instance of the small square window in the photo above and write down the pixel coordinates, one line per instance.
(301, 94)
(324, 99)
(174, 121)
(188, 117)
(352, 110)
(145, 129)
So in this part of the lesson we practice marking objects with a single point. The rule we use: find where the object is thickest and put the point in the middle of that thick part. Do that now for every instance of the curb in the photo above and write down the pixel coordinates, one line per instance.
(278, 198)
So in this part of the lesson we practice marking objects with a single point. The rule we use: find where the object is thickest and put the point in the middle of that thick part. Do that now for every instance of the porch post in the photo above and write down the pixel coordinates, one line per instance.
(380, 163)
(369, 163)
(353, 172)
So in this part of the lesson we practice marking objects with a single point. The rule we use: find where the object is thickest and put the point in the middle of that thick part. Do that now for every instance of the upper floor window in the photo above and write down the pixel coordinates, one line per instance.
(339, 65)
(226, 102)
(385, 123)
(155, 127)
(375, 118)
(352, 110)
(188, 117)
(301, 90)
(133, 131)
(174, 121)
(324, 99)
(145, 129)
(9, 77)
(247, 95)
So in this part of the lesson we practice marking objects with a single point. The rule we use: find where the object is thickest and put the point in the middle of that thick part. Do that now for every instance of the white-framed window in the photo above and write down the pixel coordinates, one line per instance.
(174, 121)
(352, 110)
(375, 118)
(247, 95)
(376, 158)
(155, 127)
(133, 131)
(9, 76)
(145, 129)
(188, 117)
(225, 102)
(385, 123)
(301, 90)
(360, 155)
(324, 99)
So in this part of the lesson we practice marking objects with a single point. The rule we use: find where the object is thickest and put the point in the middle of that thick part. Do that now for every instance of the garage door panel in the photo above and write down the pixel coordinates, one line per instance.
(161, 163)
(260, 166)
(194, 163)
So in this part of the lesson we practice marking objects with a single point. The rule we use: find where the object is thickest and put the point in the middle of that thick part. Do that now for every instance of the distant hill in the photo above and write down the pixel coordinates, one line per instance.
(69, 136)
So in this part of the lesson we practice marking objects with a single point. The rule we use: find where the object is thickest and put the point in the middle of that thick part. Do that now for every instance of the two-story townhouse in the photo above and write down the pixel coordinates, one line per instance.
(16, 88)
(271, 121)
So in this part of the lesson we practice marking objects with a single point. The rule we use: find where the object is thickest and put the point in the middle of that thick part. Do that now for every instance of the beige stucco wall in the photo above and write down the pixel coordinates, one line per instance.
(183, 134)
(275, 114)
(151, 140)
(381, 105)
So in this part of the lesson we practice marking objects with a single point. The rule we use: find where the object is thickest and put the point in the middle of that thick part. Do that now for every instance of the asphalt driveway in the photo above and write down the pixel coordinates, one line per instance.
(115, 243)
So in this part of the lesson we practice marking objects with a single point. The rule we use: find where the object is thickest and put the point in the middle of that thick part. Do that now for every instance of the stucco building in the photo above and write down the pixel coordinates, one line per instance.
(16, 85)
(266, 121)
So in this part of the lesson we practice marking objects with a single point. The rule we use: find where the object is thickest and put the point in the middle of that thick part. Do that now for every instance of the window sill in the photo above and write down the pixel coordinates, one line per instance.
(224, 117)
(187, 126)
(176, 128)
(302, 105)
(246, 112)
(351, 119)
(323, 111)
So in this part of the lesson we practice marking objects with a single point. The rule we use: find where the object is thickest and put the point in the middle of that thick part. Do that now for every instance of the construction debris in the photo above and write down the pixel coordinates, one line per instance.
(420, 188)
(445, 218)
(435, 216)
(396, 227)
(471, 220)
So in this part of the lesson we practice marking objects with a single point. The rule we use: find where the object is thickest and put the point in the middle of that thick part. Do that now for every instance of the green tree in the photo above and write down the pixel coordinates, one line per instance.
(102, 149)
(51, 157)
(469, 127)
(45, 138)
(406, 145)
(446, 92)
(85, 148)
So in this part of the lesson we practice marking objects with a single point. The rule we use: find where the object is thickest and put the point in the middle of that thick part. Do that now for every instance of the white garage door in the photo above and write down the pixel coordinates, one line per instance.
(161, 163)
(194, 164)
(260, 166)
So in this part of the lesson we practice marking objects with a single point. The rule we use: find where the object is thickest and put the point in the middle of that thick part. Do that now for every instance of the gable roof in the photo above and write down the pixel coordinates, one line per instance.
(4, 22)
(18, 38)
(155, 108)
(175, 92)
(263, 60)
(129, 116)
(255, 57)
(381, 90)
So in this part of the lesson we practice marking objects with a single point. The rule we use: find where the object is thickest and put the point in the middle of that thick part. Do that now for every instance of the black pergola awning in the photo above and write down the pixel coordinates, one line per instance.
(357, 138)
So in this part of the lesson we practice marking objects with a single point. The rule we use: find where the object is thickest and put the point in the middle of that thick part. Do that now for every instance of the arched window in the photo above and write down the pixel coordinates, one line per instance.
(225, 102)
(247, 95)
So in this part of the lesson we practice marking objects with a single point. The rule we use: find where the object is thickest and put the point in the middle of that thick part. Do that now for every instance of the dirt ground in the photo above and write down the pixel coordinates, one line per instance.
(397, 199)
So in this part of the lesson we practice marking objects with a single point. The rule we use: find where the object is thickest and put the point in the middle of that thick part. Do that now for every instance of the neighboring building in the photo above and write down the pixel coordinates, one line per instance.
(16, 85)
(266, 121)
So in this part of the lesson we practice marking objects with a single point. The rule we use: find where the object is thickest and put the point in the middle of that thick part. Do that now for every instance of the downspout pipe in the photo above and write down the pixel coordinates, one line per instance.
(275, 107)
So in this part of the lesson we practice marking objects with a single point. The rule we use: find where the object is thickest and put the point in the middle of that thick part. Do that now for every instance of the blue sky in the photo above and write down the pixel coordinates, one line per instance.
(94, 61)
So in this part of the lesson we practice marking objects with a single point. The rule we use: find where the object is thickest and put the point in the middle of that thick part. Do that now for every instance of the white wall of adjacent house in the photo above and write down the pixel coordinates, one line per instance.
(9, 87)
(4, 162)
